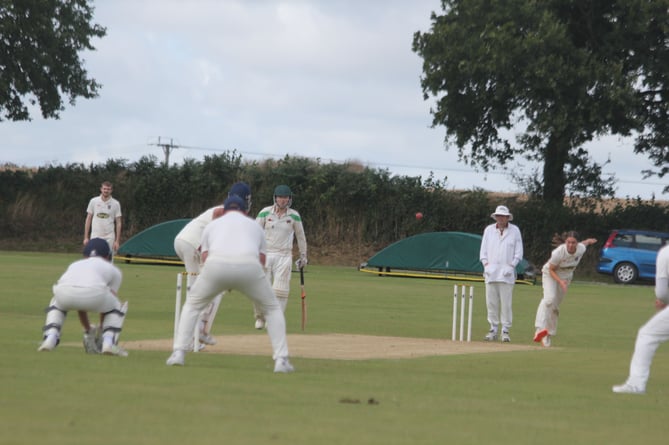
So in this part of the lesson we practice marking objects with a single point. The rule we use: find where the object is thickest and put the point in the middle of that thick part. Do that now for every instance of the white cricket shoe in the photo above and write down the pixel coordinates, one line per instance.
(546, 341)
(114, 350)
(505, 337)
(177, 358)
(49, 343)
(283, 365)
(626, 388)
(491, 336)
(260, 323)
(207, 339)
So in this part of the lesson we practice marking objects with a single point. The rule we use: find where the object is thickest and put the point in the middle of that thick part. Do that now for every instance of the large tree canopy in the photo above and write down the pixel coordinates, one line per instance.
(40, 42)
(559, 72)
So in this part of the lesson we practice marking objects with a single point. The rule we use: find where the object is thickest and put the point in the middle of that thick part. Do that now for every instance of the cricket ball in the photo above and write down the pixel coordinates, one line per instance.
(419, 215)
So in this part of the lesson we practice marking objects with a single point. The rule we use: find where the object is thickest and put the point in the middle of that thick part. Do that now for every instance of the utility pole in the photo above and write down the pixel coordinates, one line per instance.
(167, 149)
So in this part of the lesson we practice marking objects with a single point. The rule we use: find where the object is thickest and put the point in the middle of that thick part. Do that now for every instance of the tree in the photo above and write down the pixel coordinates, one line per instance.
(562, 72)
(40, 42)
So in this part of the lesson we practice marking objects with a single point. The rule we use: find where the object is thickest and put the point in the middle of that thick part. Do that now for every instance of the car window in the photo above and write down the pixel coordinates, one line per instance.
(624, 240)
(648, 242)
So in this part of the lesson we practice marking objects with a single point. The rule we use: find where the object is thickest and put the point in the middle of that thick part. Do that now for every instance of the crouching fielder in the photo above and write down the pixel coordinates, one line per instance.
(556, 276)
(233, 254)
(88, 285)
(187, 248)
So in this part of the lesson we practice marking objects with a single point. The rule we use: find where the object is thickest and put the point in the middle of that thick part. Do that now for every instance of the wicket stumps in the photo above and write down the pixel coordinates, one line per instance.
(183, 292)
(463, 297)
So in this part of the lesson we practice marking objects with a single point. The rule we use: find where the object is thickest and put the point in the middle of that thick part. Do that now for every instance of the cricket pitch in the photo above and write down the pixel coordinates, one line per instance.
(340, 346)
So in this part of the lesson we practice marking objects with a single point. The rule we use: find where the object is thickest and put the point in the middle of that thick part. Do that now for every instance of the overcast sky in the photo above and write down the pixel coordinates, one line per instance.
(328, 79)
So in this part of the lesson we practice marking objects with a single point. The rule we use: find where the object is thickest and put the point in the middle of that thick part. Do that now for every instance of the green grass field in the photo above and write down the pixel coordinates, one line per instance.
(557, 396)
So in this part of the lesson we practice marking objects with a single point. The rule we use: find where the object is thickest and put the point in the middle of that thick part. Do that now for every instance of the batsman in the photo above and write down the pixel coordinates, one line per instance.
(187, 248)
(282, 225)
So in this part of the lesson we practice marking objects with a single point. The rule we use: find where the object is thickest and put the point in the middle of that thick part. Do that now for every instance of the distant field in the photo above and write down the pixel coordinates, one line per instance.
(523, 394)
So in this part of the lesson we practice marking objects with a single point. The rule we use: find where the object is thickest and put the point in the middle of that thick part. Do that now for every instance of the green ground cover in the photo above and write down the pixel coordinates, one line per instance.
(558, 396)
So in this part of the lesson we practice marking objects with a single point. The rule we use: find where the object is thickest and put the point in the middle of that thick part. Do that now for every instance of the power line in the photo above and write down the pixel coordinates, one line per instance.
(407, 166)
(339, 161)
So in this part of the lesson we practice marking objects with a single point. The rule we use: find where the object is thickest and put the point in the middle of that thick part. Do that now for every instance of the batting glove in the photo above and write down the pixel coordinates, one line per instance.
(301, 262)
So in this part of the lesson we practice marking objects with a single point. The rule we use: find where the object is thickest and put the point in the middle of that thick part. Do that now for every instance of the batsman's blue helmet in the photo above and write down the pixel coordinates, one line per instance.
(234, 202)
(242, 190)
(97, 247)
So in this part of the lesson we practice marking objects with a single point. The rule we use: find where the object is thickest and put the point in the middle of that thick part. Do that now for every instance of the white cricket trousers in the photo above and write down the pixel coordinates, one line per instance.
(89, 299)
(277, 269)
(650, 335)
(548, 310)
(245, 275)
(188, 254)
(499, 299)
(191, 258)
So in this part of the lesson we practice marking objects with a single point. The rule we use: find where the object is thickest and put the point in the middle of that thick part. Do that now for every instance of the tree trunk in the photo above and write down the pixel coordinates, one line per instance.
(554, 162)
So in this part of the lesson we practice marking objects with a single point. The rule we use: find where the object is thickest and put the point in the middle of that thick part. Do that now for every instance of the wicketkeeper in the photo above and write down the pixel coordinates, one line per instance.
(88, 285)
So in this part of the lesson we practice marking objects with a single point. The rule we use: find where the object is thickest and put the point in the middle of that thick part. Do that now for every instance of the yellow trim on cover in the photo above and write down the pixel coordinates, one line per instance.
(434, 276)
(136, 259)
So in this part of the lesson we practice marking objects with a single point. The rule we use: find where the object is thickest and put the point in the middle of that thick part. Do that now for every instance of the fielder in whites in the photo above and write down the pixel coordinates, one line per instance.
(187, 248)
(501, 251)
(556, 276)
(651, 334)
(282, 225)
(104, 218)
(233, 255)
(88, 285)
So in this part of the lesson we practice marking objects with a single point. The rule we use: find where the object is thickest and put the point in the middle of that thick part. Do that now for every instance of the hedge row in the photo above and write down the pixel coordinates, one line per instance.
(344, 206)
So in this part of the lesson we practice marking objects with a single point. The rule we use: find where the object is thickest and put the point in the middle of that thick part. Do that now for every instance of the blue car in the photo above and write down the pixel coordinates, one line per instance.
(630, 255)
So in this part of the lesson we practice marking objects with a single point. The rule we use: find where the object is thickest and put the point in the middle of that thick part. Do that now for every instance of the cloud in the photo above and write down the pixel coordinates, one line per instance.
(328, 79)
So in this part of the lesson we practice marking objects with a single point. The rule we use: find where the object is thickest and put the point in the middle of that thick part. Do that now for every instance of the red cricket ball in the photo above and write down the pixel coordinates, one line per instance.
(419, 215)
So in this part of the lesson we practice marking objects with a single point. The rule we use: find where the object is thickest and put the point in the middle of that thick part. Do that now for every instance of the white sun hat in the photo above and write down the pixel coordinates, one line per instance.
(502, 211)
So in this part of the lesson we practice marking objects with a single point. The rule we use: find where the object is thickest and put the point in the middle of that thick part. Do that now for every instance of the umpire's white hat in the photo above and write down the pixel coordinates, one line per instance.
(502, 211)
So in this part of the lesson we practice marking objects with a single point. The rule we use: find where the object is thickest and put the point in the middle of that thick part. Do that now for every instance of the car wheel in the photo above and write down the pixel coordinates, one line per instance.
(625, 273)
